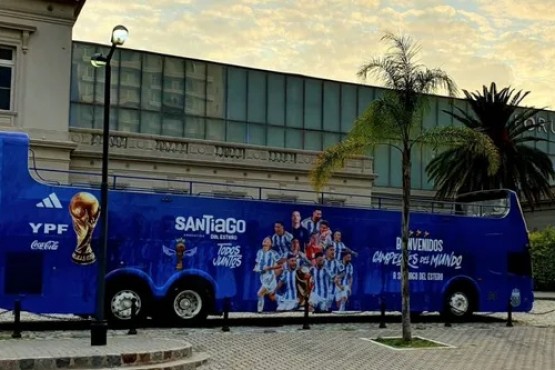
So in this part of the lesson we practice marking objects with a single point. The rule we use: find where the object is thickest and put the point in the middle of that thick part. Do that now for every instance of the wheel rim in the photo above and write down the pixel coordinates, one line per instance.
(187, 304)
(121, 304)
(459, 304)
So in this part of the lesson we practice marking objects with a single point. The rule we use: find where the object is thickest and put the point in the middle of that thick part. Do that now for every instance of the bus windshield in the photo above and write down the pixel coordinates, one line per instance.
(489, 203)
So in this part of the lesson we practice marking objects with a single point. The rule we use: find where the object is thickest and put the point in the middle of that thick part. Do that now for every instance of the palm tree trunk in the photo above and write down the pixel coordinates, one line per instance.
(406, 165)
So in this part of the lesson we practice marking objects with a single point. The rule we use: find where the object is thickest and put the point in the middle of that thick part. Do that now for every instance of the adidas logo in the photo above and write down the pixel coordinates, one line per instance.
(50, 201)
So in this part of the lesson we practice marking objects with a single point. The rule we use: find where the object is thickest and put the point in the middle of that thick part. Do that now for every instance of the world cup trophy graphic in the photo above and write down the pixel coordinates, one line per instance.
(180, 250)
(85, 211)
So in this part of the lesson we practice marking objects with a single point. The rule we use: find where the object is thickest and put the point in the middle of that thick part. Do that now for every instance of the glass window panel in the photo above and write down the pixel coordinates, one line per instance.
(427, 156)
(396, 174)
(236, 132)
(332, 120)
(551, 132)
(552, 182)
(276, 137)
(256, 134)
(5, 99)
(313, 104)
(98, 121)
(257, 97)
(80, 115)
(348, 106)
(430, 115)
(416, 168)
(130, 79)
(129, 120)
(381, 165)
(6, 54)
(83, 73)
(312, 140)
(365, 97)
(114, 85)
(331, 139)
(173, 85)
(276, 99)
(443, 118)
(151, 85)
(172, 125)
(215, 129)
(541, 132)
(5, 77)
(150, 123)
(294, 102)
(194, 127)
(293, 138)
(236, 94)
(215, 90)
(195, 89)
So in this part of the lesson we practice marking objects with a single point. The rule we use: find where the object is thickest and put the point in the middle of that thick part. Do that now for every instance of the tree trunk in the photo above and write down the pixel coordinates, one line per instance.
(407, 333)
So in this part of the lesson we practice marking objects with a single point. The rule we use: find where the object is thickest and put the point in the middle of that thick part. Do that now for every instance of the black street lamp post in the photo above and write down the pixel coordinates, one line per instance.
(99, 326)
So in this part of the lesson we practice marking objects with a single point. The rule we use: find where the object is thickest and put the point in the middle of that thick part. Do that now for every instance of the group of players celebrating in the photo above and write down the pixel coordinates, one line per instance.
(307, 262)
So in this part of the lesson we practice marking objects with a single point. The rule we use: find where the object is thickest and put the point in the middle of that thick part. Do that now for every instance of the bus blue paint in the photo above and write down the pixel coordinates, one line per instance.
(489, 254)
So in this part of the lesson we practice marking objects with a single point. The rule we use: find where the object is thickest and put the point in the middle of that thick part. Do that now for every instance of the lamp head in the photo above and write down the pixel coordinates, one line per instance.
(98, 60)
(119, 35)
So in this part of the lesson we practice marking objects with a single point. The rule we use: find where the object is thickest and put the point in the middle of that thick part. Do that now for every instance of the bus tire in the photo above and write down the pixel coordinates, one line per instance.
(119, 295)
(189, 302)
(460, 302)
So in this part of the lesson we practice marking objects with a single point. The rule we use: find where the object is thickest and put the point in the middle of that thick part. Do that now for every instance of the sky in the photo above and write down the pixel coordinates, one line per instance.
(509, 42)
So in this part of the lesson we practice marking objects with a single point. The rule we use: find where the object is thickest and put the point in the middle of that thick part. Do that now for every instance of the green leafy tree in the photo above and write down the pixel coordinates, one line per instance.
(396, 119)
(524, 169)
(542, 249)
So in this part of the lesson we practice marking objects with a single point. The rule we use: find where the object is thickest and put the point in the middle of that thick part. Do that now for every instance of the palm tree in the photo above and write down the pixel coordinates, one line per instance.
(395, 119)
(524, 169)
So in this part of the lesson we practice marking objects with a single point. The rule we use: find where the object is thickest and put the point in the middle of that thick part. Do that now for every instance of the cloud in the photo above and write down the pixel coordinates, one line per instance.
(472, 41)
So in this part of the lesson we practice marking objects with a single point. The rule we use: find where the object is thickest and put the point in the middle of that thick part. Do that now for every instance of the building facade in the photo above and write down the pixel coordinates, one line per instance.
(186, 124)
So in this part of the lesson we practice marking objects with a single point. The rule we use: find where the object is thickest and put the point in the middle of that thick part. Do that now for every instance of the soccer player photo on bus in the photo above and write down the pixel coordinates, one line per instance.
(290, 271)
(267, 260)
(322, 279)
(288, 300)
(345, 282)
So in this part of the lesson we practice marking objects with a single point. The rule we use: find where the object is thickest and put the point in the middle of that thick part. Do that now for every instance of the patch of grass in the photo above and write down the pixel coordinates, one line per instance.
(416, 342)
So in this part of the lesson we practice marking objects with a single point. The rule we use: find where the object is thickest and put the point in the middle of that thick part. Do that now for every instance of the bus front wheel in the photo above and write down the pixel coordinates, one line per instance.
(119, 301)
(459, 303)
(189, 304)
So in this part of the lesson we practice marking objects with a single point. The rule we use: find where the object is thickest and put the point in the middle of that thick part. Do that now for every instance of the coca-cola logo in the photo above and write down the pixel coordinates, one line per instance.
(50, 245)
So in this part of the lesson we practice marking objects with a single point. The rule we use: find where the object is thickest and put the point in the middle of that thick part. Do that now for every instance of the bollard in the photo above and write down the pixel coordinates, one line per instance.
(447, 315)
(227, 306)
(510, 315)
(382, 315)
(17, 319)
(306, 326)
(133, 321)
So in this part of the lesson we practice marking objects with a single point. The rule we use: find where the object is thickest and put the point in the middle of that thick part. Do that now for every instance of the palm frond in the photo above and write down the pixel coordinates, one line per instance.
(374, 126)
(333, 159)
(474, 142)
(430, 80)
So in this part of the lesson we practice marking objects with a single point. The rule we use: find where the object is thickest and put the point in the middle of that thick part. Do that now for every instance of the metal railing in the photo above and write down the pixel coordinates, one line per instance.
(230, 190)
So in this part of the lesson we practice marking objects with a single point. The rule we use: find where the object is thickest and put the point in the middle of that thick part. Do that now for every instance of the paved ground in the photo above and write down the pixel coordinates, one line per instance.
(529, 344)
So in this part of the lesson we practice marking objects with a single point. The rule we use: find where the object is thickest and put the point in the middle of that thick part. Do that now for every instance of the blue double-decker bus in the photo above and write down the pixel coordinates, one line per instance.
(180, 255)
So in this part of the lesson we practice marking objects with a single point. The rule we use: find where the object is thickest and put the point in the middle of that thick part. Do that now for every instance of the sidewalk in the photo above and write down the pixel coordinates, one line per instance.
(77, 353)
(549, 296)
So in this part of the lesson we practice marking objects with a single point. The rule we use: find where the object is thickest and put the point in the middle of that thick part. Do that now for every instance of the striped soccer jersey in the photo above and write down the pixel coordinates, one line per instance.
(288, 279)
